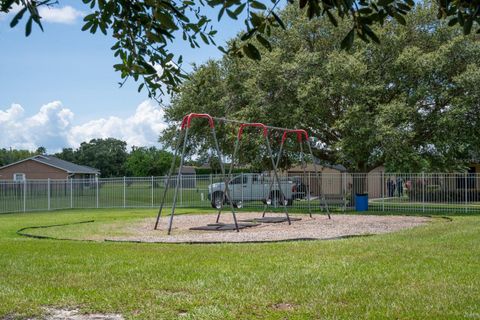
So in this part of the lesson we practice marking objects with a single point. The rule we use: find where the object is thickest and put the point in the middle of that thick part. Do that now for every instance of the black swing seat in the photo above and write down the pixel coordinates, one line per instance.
(270, 220)
(224, 226)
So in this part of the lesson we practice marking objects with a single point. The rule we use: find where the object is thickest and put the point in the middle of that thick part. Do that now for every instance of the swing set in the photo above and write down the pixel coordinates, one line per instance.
(182, 134)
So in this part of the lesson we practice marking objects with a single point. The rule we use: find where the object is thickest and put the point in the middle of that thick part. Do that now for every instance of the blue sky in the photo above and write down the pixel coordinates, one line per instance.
(58, 87)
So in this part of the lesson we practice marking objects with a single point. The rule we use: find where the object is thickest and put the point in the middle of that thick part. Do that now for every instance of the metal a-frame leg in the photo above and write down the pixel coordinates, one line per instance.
(318, 179)
(226, 189)
(170, 172)
(272, 180)
(267, 142)
(177, 185)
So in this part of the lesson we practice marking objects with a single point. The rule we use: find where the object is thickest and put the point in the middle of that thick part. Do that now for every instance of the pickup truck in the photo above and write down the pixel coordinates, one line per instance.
(252, 187)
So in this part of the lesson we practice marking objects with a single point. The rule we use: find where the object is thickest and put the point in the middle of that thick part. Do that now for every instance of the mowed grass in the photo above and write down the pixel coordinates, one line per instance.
(432, 271)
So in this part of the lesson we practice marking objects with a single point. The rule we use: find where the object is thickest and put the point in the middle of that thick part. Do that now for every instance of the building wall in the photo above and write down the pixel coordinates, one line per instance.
(32, 170)
(333, 181)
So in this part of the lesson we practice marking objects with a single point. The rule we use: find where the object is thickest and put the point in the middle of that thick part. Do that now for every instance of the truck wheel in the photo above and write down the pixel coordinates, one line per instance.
(217, 200)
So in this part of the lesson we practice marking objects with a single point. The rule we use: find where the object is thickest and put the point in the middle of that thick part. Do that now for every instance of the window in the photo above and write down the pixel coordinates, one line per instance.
(237, 180)
(18, 176)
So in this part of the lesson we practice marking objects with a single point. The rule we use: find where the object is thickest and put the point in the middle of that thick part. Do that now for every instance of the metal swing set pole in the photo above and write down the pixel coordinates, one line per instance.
(237, 146)
(300, 134)
(271, 182)
(274, 165)
(185, 125)
(226, 189)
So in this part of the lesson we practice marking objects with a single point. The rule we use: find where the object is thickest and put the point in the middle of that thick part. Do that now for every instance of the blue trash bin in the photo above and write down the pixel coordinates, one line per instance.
(361, 202)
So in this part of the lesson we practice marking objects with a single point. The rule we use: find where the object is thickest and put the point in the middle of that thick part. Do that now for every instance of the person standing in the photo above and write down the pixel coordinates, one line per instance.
(400, 186)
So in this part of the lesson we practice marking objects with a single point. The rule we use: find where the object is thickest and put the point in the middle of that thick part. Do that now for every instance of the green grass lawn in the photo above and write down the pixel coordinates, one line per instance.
(429, 272)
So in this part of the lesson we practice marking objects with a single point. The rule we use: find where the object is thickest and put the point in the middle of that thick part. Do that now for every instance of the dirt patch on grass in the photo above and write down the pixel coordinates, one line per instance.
(283, 306)
(318, 227)
(74, 314)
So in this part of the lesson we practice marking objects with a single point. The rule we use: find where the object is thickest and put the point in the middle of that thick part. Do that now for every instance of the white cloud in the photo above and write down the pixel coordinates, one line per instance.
(52, 127)
(65, 15)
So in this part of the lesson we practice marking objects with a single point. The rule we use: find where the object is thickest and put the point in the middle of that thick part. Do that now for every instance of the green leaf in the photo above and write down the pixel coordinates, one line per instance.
(17, 17)
(231, 14)
(461, 19)
(400, 19)
(303, 3)
(166, 19)
(453, 21)
(258, 5)
(279, 21)
(28, 27)
(87, 25)
(220, 13)
(332, 18)
(239, 10)
(384, 3)
(264, 42)
(347, 42)
(204, 38)
(6, 5)
(252, 52)
(467, 26)
(369, 32)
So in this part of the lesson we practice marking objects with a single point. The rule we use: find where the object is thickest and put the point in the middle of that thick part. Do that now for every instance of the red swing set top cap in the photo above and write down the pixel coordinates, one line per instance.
(188, 118)
(259, 125)
(300, 133)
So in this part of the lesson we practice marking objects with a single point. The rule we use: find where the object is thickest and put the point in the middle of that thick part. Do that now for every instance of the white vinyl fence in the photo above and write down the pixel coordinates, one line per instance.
(419, 192)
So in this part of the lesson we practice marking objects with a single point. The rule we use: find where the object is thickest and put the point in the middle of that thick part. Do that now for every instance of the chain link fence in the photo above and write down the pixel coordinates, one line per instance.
(417, 192)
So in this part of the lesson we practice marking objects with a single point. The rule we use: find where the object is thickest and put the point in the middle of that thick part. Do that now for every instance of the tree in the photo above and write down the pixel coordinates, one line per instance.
(409, 103)
(144, 30)
(107, 155)
(143, 162)
(8, 156)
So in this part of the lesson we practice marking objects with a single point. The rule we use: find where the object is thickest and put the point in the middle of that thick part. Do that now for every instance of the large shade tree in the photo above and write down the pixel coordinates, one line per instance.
(410, 103)
(145, 29)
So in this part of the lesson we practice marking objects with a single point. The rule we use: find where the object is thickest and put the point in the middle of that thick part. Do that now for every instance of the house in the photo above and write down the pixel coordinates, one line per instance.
(334, 178)
(188, 178)
(46, 167)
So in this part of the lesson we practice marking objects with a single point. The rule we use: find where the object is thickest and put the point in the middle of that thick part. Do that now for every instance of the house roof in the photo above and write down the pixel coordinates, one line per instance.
(188, 170)
(55, 162)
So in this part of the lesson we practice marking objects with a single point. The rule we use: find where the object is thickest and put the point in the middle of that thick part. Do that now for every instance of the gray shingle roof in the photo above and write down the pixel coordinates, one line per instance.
(64, 165)
(188, 170)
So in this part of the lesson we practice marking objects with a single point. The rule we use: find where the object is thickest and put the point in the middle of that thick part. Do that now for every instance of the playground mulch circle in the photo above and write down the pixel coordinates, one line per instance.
(317, 228)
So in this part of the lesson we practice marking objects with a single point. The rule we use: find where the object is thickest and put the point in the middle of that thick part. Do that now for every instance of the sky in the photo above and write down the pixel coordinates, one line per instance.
(58, 87)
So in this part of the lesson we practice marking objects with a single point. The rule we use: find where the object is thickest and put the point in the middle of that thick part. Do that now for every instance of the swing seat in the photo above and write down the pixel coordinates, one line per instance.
(270, 220)
(224, 226)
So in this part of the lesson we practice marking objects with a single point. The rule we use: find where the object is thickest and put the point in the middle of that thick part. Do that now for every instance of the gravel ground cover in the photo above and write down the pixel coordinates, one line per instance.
(318, 227)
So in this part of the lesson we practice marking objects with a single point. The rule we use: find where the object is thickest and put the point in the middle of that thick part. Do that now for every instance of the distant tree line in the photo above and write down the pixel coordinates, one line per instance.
(8, 156)
(109, 155)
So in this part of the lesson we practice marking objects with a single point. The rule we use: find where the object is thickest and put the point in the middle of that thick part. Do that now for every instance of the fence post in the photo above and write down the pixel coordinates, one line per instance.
(241, 177)
(423, 191)
(96, 185)
(309, 190)
(71, 193)
(383, 190)
(466, 192)
(181, 190)
(24, 195)
(124, 192)
(48, 193)
(344, 191)
(152, 191)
